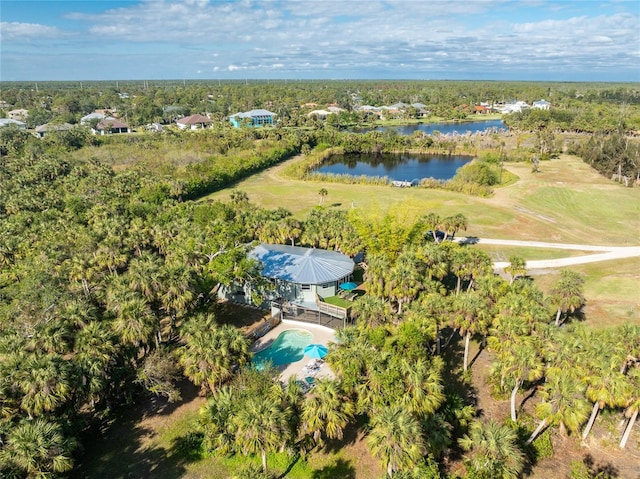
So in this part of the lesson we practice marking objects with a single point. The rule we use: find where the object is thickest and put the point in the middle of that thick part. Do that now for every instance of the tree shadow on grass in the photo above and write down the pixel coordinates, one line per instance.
(350, 436)
(121, 454)
(120, 448)
(341, 468)
(159, 405)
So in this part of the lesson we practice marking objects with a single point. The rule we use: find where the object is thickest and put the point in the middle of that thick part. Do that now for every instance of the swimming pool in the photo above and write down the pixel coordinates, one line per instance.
(287, 348)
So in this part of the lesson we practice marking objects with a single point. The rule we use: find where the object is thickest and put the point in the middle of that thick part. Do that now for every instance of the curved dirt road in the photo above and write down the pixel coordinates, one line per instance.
(601, 253)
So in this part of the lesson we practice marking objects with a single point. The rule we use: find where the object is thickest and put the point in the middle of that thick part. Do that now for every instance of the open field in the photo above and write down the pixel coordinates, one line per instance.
(566, 202)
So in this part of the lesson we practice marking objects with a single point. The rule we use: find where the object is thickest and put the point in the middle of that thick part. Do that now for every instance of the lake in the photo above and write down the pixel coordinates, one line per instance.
(443, 128)
(395, 166)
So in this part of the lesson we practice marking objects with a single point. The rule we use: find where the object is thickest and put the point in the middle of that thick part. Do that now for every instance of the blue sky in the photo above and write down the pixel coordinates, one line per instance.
(568, 40)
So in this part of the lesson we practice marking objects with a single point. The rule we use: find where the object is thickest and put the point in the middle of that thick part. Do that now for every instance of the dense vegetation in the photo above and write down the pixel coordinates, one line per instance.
(109, 273)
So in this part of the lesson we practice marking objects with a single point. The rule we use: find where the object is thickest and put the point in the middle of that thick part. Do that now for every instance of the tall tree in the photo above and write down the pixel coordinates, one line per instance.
(517, 268)
(633, 405)
(471, 315)
(396, 437)
(567, 293)
(210, 353)
(261, 426)
(37, 448)
(494, 451)
(326, 410)
(563, 403)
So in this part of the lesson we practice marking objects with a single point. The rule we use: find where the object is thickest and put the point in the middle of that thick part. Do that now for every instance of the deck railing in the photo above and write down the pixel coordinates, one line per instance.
(331, 309)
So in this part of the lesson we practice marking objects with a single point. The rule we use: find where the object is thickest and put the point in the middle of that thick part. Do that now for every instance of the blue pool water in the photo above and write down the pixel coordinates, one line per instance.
(287, 348)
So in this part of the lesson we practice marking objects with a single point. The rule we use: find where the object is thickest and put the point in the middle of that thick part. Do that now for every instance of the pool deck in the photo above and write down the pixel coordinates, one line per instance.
(321, 335)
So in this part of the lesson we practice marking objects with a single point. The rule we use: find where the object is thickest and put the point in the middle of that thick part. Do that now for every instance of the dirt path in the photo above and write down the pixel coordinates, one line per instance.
(605, 253)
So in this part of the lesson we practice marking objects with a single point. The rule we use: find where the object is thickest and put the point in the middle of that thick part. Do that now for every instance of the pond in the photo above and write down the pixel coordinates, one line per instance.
(443, 128)
(395, 166)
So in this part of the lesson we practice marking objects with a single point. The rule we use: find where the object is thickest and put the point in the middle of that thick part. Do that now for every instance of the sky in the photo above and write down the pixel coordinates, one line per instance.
(531, 40)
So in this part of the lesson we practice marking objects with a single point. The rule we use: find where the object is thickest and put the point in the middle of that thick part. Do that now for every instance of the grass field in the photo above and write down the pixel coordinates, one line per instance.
(566, 202)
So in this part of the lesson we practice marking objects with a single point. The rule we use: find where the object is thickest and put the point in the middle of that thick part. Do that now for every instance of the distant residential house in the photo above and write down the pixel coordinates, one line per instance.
(44, 130)
(194, 122)
(481, 109)
(154, 127)
(110, 126)
(514, 107)
(368, 108)
(421, 110)
(19, 114)
(252, 118)
(10, 121)
(541, 105)
(87, 119)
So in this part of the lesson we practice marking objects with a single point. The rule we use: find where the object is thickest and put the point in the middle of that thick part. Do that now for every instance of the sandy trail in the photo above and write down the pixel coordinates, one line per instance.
(601, 253)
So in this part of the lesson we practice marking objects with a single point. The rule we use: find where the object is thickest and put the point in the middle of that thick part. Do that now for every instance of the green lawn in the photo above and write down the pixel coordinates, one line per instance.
(566, 202)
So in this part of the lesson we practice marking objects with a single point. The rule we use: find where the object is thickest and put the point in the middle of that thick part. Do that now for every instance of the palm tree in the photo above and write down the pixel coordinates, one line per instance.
(516, 269)
(44, 382)
(470, 316)
(430, 312)
(376, 275)
(178, 292)
(563, 402)
(521, 362)
(567, 293)
(371, 311)
(144, 275)
(135, 323)
(396, 437)
(38, 448)
(435, 259)
(605, 387)
(261, 426)
(633, 404)
(349, 356)
(322, 193)
(216, 415)
(328, 410)
(94, 351)
(451, 225)
(424, 391)
(494, 451)
(210, 353)
(405, 278)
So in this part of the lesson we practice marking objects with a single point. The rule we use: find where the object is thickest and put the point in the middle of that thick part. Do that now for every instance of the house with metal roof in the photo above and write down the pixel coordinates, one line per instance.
(253, 118)
(9, 121)
(91, 117)
(541, 105)
(299, 276)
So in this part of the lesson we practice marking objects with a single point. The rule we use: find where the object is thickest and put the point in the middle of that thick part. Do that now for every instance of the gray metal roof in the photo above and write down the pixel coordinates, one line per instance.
(253, 114)
(302, 265)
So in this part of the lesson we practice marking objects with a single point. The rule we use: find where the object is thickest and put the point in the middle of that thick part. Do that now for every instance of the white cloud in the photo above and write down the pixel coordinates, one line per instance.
(291, 35)
(12, 31)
